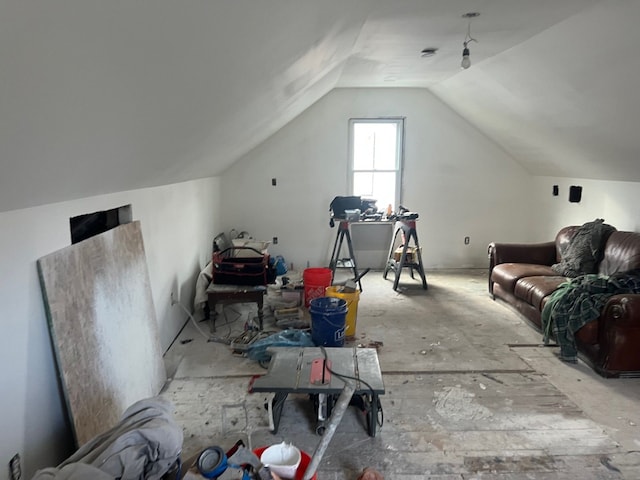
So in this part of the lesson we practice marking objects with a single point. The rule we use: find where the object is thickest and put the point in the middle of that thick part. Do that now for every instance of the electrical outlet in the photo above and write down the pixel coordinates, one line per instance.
(275, 240)
(15, 469)
(467, 240)
(274, 182)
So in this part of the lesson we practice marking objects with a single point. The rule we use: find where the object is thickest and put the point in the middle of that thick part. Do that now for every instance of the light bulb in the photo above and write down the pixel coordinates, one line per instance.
(466, 62)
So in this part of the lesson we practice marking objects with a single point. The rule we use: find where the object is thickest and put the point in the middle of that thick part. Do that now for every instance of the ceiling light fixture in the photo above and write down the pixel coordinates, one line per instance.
(428, 52)
(466, 61)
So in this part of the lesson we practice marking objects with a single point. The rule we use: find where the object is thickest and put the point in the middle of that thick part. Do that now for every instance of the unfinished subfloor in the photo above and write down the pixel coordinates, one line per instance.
(470, 393)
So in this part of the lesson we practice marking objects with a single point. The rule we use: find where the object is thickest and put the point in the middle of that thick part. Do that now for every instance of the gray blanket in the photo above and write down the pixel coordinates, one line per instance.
(584, 251)
(144, 445)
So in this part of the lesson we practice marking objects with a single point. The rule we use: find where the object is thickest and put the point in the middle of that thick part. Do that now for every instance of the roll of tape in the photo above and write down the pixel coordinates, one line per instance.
(212, 462)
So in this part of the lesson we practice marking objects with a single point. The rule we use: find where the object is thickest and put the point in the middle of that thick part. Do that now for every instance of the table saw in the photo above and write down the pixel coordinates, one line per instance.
(317, 371)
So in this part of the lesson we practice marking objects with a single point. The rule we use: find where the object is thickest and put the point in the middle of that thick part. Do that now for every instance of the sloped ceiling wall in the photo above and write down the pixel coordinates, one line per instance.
(565, 102)
(98, 97)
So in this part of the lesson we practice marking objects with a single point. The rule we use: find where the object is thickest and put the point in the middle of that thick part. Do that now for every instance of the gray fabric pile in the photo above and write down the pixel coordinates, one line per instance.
(584, 251)
(145, 444)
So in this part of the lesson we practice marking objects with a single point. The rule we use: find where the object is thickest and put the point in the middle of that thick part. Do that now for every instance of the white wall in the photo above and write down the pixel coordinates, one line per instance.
(616, 202)
(458, 180)
(178, 223)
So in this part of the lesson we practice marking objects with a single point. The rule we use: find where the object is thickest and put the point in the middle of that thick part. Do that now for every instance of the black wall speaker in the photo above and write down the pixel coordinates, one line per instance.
(575, 193)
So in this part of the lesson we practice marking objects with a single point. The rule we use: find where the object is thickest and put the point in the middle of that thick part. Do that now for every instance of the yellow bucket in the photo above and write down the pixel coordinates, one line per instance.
(352, 307)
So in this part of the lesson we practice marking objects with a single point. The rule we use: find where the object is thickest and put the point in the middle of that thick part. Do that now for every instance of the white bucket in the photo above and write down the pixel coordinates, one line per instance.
(283, 459)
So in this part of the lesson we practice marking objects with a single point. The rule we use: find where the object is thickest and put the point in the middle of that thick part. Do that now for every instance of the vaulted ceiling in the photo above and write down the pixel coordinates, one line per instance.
(101, 96)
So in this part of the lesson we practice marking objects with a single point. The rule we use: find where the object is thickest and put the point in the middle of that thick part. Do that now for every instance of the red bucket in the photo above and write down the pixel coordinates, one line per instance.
(305, 460)
(315, 281)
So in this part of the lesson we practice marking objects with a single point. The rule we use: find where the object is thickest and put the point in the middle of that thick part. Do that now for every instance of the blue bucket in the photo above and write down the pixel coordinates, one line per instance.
(328, 321)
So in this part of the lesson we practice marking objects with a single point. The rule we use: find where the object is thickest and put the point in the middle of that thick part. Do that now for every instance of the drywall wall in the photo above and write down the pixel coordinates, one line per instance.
(459, 181)
(612, 200)
(178, 222)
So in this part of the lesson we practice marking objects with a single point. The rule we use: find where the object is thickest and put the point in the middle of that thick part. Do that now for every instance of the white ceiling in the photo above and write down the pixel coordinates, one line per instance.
(101, 96)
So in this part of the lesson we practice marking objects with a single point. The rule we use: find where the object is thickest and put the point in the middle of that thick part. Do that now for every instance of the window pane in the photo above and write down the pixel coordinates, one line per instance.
(385, 136)
(384, 190)
(375, 146)
(363, 153)
(363, 184)
(380, 186)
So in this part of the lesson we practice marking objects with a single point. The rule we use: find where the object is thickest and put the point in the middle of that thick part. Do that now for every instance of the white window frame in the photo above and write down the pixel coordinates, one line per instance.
(399, 121)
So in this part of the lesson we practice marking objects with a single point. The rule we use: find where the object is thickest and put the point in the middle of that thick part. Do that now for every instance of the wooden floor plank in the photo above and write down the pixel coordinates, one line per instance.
(467, 434)
(461, 402)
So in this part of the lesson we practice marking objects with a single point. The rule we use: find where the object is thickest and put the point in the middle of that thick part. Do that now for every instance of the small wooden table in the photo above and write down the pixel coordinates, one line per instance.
(225, 294)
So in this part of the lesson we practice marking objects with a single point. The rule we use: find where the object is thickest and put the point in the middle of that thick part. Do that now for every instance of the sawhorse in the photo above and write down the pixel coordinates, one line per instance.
(336, 261)
(407, 228)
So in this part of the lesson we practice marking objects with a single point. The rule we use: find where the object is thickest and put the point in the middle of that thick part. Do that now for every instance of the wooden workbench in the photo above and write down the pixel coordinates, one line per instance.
(224, 294)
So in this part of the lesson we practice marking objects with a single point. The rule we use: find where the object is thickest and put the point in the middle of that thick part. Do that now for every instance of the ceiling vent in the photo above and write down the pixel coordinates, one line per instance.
(428, 52)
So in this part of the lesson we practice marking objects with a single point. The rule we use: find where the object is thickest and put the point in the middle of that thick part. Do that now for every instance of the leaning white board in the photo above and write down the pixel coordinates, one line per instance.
(103, 327)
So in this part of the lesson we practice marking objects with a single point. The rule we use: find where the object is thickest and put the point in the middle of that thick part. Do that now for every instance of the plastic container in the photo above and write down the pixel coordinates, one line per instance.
(305, 460)
(261, 247)
(315, 281)
(328, 321)
(351, 296)
(291, 295)
(352, 215)
(282, 458)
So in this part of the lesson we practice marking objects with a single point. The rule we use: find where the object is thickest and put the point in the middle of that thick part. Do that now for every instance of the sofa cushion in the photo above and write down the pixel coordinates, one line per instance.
(533, 289)
(621, 253)
(507, 274)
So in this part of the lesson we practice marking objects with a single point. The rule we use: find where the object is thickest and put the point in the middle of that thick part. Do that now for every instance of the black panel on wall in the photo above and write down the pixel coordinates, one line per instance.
(90, 224)
(575, 193)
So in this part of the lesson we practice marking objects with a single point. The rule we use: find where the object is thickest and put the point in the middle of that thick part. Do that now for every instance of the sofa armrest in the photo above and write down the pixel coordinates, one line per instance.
(619, 335)
(622, 309)
(535, 253)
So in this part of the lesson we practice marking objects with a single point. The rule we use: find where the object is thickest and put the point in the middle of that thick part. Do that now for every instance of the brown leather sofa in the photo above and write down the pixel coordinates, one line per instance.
(521, 275)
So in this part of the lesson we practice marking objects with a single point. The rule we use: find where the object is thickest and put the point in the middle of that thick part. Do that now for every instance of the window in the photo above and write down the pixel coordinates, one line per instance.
(375, 166)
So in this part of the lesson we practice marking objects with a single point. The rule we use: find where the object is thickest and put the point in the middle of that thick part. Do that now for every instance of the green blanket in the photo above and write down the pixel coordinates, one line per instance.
(580, 301)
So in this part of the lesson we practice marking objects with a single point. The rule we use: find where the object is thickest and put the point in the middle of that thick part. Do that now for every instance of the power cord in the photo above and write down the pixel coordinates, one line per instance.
(195, 324)
(379, 413)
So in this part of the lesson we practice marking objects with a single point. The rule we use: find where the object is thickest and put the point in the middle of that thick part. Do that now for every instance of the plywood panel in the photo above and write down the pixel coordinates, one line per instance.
(103, 327)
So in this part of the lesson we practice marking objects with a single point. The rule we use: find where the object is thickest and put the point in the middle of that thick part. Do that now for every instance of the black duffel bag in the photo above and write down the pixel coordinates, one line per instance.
(340, 204)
